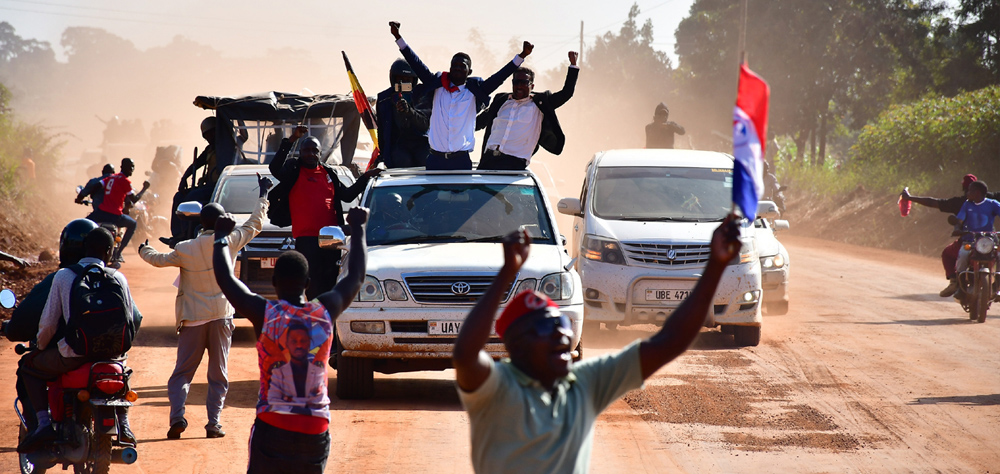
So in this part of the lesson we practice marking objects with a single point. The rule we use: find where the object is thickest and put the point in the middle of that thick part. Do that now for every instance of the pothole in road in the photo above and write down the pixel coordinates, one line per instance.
(738, 399)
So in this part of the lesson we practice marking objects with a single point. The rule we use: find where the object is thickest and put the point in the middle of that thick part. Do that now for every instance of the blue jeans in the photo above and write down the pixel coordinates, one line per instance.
(121, 220)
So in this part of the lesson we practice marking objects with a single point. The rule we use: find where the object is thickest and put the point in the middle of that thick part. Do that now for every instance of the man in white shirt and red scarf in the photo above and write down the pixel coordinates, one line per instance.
(457, 100)
(294, 339)
(518, 123)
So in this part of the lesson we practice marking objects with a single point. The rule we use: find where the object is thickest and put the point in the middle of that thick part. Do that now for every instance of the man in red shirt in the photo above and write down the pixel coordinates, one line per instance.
(308, 197)
(117, 191)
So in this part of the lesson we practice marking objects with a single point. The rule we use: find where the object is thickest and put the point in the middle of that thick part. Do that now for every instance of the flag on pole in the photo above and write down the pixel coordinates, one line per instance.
(364, 108)
(749, 132)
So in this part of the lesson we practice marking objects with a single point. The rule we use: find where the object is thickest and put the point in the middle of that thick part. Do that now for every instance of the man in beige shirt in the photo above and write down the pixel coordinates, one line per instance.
(204, 316)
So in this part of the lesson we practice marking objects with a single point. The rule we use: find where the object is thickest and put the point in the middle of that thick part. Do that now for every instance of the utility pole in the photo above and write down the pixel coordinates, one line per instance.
(579, 58)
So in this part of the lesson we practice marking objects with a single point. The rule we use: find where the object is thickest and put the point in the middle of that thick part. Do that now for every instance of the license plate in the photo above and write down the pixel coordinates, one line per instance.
(667, 295)
(267, 262)
(443, 328)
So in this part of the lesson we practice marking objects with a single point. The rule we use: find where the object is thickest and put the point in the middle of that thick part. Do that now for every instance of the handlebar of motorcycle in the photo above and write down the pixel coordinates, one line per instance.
(20, 349)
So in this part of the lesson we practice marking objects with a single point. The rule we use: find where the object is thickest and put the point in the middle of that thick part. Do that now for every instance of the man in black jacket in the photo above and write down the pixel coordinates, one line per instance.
(308, 197)
(403, 111)
(518, 123)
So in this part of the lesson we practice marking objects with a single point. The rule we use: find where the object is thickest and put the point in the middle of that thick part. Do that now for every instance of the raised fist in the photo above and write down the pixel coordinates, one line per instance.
(357, 216)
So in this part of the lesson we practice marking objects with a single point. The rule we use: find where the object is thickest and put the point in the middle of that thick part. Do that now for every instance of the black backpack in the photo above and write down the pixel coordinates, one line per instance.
(100, 324)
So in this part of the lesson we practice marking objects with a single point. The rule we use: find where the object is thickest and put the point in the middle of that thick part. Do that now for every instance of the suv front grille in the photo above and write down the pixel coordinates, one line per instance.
(659, 254)
(274, 241)
(255, 274)
(441, 289)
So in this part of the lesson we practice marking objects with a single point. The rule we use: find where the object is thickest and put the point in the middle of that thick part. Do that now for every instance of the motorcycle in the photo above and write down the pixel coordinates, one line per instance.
(118, 232)
(979, 283)
(148, 225)
(83, 405)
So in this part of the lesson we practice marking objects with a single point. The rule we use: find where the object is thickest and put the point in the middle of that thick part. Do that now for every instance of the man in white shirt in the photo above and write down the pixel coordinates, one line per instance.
(518, 123)
(456, 101)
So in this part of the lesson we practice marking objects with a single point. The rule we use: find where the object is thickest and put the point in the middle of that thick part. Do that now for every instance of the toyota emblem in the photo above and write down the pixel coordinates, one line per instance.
(460, 288)
(671, 254)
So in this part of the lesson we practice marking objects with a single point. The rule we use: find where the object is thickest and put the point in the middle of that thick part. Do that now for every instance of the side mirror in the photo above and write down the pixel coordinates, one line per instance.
(768, 210)
(189, 209)
(332, 237)
(7, 298)
(569, 206)
(781, 224)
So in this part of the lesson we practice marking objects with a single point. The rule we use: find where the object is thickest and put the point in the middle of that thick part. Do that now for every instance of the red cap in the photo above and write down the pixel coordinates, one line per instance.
(525, 302)
(967, 180)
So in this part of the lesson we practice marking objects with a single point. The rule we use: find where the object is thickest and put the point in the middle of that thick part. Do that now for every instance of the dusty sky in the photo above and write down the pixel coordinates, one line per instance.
(241, 28)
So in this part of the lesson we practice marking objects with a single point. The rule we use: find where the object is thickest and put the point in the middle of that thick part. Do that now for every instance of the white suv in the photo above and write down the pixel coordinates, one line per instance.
(434, 246)
(643, 225)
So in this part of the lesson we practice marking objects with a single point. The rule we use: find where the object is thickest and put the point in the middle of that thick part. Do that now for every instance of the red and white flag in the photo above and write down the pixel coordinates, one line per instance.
(749, 134)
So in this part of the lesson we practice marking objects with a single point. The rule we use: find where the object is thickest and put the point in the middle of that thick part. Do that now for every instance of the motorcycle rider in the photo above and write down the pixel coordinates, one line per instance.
(976, 215)
(50, 361)
(773, 190)
(949, 256)
(117, 192)
(94, 189)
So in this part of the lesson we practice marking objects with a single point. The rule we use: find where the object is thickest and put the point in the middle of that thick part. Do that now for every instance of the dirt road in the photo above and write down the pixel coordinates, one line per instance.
(869, 372)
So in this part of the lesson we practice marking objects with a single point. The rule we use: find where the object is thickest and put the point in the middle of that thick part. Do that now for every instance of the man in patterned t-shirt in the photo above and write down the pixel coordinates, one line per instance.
(294, 337)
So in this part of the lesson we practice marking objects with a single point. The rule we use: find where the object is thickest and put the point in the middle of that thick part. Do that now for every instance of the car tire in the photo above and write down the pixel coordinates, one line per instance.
(777, 307)
(355, 375)
(746, 335)
(727, 329)
(579, 351)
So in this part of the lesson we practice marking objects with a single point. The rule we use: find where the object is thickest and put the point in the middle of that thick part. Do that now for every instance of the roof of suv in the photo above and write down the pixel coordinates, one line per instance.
(649, 157)
(407, 176)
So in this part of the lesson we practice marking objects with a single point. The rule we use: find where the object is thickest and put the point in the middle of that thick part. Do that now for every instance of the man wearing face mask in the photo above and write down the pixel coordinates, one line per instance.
(518, 123)
(457, 98)
(308, 197)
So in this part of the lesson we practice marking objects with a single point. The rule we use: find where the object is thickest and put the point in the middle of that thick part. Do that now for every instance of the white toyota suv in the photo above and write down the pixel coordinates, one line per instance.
(642, 229)
(434, 246)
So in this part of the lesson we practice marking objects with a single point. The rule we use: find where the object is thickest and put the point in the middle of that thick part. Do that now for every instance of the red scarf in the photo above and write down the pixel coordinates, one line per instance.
(446, 83)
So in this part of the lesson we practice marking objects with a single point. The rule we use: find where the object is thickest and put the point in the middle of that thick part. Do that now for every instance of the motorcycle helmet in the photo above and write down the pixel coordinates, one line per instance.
(400, 68)
(207, 124)
(71, 241)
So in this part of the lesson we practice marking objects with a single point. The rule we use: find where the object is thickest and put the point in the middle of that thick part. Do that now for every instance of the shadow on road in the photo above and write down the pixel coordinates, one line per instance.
(403, 394)
(979, 400)
(166, 336)
(933, 297)
(920, 322)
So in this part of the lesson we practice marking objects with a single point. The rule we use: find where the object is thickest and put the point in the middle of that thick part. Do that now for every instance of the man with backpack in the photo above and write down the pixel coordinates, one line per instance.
(94, 306)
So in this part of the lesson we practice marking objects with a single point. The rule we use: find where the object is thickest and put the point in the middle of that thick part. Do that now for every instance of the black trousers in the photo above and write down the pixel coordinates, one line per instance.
(323, 267)
(501, 161)
(454, 161)
(277, 451)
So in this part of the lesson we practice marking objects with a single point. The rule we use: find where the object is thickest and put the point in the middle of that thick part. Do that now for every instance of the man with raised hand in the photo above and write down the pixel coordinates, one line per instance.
(518, 122)
(290, 434)
(457, 98)
(535, 412)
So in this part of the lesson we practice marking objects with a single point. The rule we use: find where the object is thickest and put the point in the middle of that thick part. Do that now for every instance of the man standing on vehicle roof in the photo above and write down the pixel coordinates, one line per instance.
(518, 123)
(117, 190)
(535, 412)
(308, 197)
(457, 100)
(660, 133)
(204, 317)
(291, 433)
(949, 256)
(403, 112)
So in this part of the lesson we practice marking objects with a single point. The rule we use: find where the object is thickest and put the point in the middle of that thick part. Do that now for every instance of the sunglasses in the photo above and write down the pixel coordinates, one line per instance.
(521, 82)
(546, 326)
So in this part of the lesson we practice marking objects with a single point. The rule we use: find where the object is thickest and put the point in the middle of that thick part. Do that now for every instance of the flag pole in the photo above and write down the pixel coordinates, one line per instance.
(743, 32)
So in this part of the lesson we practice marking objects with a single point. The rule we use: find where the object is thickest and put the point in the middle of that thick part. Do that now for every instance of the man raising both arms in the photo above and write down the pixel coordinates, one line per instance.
(457, 98)
(290, 433)
(536, 411)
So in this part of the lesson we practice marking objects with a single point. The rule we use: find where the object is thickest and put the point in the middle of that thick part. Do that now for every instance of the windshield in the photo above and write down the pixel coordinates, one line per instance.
(661, 193)
(455, 213)
(238, 194)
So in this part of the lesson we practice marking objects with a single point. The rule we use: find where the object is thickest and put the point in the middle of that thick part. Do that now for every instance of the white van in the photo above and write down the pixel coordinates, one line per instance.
(643, 225)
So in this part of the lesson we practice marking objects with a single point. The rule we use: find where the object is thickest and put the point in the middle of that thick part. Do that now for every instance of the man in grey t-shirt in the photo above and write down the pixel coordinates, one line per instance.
(536, 411)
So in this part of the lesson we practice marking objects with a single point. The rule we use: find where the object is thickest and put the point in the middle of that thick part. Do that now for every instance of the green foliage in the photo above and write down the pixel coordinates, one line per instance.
(18, 140)
(948, 136)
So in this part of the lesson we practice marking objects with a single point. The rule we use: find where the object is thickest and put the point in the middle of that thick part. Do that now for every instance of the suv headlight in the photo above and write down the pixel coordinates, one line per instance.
(526, 284)
(984, 245)
(558, 286)
(602, 249)
(370, 290)
(394, 290)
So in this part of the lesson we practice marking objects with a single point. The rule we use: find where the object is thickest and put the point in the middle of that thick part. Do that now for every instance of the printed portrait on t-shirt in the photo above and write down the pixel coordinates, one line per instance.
(293, 349)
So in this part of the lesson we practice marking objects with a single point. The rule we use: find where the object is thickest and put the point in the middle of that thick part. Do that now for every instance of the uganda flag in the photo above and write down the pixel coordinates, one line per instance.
(364, 108)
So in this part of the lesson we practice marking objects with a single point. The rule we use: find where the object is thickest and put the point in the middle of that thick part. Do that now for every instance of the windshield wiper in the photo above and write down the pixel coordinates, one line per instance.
(670, 219)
